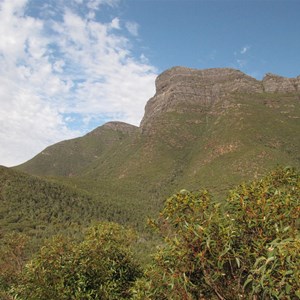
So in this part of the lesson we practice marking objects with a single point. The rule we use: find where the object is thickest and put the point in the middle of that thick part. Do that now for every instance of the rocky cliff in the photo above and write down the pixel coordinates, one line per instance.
(275, 83)
(181, 88)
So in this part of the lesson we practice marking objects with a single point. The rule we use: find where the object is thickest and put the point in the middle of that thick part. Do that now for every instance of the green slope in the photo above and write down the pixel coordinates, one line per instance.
(254, 134)
(41, 208)
(69, 158)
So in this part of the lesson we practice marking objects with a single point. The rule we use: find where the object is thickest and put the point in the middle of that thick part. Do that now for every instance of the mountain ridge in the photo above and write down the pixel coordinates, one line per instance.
(203, 128)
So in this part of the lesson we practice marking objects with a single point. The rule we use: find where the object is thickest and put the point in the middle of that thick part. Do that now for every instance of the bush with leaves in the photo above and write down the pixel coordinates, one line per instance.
(99, 267)
(247, 248)
(267, 219)
(12, 259)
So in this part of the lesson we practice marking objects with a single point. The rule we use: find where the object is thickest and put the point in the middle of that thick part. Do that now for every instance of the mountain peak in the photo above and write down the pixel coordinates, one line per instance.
(183, 74)
(115, 126)
(120, 126)
(180, 86)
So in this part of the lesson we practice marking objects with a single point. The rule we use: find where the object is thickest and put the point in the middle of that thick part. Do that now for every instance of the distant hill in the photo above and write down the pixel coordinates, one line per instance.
(203, 128)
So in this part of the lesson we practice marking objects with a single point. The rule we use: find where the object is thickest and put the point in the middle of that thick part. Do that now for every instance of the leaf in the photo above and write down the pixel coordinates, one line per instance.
(249, 279)
(258, 260)
(270, 259)
(238, 262)
(288, 288)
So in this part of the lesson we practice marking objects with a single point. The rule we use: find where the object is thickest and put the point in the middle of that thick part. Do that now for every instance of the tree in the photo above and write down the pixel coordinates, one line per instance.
(248, 248)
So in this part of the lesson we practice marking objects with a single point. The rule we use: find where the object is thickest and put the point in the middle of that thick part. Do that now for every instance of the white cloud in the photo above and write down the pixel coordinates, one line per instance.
(244, 49)
(133, 28)
(115, 23)
(55, 69)
(95, 4)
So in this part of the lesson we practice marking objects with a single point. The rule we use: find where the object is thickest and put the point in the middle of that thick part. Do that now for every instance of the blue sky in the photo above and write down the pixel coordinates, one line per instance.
(68, 66)
(254, 36)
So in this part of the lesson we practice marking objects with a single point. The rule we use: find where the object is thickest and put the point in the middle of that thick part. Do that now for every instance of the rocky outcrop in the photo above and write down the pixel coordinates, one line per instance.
(193, 81)
(181, 88)
(274, 83)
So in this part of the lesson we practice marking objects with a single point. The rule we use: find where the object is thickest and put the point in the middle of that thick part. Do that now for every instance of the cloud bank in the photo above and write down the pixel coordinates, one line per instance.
(63, 72)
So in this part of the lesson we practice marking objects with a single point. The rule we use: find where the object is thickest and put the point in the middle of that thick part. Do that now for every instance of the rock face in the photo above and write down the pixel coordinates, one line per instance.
(181, 87)
(275, 83)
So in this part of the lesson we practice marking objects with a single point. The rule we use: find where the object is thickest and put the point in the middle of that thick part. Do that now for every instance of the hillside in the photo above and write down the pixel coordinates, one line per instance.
(203, 128)
(41, 208)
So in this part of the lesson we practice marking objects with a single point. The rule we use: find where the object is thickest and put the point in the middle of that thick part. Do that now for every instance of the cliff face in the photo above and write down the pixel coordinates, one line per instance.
(181, 88)
(275, 83)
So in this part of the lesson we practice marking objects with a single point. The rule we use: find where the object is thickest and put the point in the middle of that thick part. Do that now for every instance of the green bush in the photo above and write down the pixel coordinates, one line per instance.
(247, 248)
(99, 267)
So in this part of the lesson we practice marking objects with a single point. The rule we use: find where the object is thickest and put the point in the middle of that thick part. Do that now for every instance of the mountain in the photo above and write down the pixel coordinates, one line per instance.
(70, 158)
(209, 128)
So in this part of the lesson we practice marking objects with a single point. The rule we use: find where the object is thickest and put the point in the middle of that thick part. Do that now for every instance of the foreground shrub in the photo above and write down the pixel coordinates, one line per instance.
(246, 249)
(100, 267)
(12, 259)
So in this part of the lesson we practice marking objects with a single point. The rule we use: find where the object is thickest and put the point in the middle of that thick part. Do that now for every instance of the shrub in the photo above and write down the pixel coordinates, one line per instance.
(12, 259)
(100, 267)
(246, 249)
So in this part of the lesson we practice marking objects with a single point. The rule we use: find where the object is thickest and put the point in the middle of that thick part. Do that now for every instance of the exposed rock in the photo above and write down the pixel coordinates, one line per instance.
(275, 83)
(181, 88)
(194, 81)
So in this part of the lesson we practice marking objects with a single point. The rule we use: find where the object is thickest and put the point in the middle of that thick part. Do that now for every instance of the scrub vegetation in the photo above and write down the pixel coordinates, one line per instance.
(246, 247)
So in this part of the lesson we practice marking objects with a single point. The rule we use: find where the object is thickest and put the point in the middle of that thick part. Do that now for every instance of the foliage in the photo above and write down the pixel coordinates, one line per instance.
(248, 249)
(12, 260)
(99, 267)
(276, 274)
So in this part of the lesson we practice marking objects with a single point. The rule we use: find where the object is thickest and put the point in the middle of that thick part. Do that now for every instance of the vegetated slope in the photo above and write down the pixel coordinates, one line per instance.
(212, 128)
(69, 158)
(40, 208)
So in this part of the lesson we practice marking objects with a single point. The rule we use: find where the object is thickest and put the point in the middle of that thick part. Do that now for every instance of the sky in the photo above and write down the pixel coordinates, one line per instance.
(69, 66)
